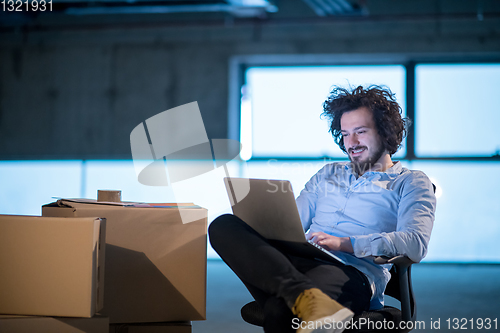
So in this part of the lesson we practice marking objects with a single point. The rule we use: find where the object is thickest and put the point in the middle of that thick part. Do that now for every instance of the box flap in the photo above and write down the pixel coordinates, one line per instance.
(62, 201)
(166, 205)
(69, 203)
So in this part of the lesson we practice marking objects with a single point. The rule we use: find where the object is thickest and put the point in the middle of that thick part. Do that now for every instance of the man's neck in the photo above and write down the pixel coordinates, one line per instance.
(385, 163)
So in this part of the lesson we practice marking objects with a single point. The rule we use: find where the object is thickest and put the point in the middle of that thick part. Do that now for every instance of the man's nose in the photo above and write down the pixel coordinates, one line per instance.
(352, 141)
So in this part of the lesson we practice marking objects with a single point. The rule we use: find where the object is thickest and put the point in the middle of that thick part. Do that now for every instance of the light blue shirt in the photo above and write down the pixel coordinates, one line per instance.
(384, 213)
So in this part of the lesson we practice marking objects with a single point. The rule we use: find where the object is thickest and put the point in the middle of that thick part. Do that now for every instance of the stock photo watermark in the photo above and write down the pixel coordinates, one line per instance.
(172, 149)
(339, 184)
(472, 324)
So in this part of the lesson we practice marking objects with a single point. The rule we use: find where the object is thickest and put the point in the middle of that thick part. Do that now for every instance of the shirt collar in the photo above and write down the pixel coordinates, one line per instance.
(395, 169)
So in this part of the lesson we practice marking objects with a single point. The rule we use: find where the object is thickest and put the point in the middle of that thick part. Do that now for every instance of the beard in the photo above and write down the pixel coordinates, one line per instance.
(360, 166)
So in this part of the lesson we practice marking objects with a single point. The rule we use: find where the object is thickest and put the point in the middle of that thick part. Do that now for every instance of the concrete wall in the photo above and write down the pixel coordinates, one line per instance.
(78, 93)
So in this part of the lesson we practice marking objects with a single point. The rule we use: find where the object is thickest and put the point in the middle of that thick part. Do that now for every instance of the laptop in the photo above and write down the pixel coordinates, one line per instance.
(269, 208)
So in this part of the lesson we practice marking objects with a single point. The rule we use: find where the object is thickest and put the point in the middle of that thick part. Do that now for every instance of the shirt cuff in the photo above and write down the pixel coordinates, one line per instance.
(361, 246)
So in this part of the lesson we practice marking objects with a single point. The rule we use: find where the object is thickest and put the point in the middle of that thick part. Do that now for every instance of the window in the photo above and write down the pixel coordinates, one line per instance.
(457, 110)
(281, 107)
(466, 228)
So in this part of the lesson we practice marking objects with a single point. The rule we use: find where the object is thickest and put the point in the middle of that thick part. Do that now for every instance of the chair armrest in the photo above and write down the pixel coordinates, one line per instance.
(400, 260)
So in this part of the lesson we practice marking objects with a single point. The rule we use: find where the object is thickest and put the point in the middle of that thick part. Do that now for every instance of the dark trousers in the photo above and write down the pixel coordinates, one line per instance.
(275, 278)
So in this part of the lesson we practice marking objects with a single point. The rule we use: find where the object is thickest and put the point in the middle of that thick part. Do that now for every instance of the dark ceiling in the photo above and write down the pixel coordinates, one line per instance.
(60, 14)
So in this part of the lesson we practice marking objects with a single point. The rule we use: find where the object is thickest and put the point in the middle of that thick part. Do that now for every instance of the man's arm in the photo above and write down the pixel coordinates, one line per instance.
(415, 220)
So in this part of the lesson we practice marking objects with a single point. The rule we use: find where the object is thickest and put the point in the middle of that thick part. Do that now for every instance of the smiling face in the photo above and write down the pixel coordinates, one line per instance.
(362, 142)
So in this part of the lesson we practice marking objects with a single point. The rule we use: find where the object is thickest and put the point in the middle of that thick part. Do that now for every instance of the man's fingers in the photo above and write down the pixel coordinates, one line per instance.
(312, 236)
(316, 233)
(319, 238)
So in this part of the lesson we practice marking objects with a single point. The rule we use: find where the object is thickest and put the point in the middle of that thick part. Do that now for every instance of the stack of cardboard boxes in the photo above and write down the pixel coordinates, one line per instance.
(153, 278)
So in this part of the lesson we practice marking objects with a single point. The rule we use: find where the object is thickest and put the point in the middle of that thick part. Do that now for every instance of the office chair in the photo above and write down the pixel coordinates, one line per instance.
(399, 287)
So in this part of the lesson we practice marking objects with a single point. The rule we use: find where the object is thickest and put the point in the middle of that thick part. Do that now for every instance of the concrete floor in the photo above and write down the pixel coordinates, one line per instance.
(443, 291)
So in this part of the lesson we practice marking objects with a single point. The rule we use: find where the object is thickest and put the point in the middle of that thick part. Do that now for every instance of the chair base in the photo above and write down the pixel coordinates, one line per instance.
(368, 321)
(387, 319)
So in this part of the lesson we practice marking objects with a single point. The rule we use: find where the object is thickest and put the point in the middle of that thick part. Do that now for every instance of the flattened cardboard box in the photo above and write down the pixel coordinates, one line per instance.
(155, 264)
(51, 266)
(24, 324)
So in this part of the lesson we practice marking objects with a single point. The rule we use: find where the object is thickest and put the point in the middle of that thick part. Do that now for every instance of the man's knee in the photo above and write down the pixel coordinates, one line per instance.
(218, 229)
(219, 224)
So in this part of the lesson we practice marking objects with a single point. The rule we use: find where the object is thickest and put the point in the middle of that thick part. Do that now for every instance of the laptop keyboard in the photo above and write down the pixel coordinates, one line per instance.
(317, 246)
(325, 251)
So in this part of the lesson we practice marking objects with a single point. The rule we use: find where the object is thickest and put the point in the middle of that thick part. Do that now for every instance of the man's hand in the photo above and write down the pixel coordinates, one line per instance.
(330, 242)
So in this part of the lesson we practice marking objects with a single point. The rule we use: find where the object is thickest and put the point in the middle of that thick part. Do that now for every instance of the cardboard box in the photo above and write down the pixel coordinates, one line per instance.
(170, 327)
(51, 266)
(24, 324)
(155, 264)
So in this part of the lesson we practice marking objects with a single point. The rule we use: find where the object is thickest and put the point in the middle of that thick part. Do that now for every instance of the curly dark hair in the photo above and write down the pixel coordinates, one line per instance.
(391, 127)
